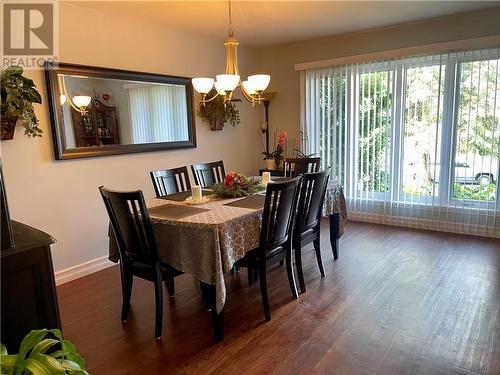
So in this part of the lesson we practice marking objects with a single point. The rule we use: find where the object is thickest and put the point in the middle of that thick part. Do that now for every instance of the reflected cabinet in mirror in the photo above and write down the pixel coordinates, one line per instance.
(98, 111)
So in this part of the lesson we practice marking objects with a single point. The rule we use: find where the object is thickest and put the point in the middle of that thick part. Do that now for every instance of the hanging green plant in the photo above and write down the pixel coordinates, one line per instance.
(18, 94)
(217, 114)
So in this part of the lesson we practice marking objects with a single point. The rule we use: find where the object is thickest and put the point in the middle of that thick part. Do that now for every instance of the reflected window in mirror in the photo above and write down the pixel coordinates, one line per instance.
(98, 111)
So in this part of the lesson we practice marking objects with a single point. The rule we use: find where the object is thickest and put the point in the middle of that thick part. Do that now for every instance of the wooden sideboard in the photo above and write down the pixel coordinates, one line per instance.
(98, 127)
(29, 299)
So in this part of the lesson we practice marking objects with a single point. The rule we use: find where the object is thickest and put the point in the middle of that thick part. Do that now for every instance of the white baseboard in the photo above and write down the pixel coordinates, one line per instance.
(83, 269)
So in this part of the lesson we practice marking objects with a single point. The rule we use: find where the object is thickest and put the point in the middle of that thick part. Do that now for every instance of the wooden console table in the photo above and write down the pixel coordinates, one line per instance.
(29, 299)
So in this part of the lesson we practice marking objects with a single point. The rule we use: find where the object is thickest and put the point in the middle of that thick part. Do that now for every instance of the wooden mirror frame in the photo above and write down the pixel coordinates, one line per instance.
(53, 92)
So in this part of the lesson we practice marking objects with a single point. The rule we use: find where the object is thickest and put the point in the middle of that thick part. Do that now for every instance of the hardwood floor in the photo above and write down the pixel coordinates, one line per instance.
(397, 301)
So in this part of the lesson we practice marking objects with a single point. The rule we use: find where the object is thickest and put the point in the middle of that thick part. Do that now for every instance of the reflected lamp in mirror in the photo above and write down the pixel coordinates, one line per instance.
(99, 111)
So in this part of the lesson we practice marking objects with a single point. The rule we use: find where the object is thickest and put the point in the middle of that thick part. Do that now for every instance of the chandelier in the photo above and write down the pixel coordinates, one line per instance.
(225, 84)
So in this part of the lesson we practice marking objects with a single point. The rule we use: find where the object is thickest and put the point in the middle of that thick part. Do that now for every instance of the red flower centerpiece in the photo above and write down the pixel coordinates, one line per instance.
(236, 185)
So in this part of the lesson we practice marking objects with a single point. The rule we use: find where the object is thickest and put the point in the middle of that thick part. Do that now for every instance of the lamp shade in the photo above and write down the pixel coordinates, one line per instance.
(247, 85)
(202, 85)
(228, 82)
(81, 101)
(218, 88)
(259, 82)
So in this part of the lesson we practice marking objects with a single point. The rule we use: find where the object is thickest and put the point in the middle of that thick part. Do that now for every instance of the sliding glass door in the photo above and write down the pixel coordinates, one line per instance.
(413, 139)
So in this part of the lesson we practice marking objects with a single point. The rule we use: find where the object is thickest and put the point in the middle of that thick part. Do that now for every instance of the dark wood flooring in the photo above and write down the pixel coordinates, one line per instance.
(397, 301)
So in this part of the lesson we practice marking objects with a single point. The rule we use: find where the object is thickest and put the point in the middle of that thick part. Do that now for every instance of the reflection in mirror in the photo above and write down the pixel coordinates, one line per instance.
(98, 115)
(121, 112)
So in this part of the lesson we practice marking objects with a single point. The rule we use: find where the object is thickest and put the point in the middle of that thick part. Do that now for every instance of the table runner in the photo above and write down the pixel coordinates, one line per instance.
(252, 202)
(181, 197)
(174, 211)
(208, 244)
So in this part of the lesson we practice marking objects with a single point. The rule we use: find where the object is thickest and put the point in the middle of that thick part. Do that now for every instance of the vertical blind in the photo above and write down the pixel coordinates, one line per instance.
(158, 113)
(414, 141)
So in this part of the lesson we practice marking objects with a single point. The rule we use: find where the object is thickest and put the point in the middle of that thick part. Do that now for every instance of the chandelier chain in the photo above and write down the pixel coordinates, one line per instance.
(230, 31)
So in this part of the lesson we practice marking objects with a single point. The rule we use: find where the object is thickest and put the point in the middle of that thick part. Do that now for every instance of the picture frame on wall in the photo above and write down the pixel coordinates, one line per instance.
(7, 235)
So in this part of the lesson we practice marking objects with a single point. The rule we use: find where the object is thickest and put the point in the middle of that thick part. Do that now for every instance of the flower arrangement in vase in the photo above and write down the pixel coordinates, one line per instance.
(280, 146)
(236, 185)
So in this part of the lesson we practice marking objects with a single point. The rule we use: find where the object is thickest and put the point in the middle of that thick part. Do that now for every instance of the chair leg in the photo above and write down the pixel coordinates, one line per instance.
(159, 305)
(263, 293)
(250, 276)
(291, 278)
(298, 264)
(318, 257)
(170, 286)
(127, 281)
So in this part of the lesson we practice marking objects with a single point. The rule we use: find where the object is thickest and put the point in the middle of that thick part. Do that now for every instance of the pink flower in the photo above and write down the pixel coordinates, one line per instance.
(282, 138)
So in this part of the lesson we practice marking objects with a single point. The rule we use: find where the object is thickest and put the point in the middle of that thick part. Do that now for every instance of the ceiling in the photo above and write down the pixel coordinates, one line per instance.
(268, 23)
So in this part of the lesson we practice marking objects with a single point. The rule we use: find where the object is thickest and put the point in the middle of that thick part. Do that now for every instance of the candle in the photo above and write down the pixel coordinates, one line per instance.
(266, 177)
(196, 192)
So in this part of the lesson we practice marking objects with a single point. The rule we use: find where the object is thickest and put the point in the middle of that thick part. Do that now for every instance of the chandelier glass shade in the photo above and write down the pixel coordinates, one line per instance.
(225, 84)
(78, 102)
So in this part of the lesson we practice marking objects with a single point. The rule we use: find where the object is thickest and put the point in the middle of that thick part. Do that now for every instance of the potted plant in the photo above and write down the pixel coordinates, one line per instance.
(217, 113)
(43, 351)
(18, 94)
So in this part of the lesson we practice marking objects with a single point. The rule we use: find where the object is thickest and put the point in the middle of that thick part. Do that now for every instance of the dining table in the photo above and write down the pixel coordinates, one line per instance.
(205, 240)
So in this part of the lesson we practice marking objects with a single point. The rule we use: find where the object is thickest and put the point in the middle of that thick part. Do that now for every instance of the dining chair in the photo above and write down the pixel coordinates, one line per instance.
(297, 166)
(275, 236)
(308, 219)
(170, 181)
(137, 249)
(208, 174)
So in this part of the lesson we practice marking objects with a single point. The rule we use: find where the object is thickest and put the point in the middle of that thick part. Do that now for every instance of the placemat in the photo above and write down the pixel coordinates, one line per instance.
(253, 202)
(175, 211)
(181, 197)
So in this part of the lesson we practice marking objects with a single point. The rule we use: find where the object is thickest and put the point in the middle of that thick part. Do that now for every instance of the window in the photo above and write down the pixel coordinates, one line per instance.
(413, 141)
(157, 113)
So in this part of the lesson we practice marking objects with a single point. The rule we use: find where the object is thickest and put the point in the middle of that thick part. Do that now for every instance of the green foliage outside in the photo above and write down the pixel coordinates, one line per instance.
(475, 192)
(478, 132)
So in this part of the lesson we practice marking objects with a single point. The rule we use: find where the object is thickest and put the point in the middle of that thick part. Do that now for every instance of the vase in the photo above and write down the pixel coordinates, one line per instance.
(278, 162)
(8, 124)
(216, 124)
(269, 164)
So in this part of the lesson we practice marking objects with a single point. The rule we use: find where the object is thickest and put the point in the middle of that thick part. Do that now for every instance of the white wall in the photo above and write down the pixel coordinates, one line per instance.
(61, 197)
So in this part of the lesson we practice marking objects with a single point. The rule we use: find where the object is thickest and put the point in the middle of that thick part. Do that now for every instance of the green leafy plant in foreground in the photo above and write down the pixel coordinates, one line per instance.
(42, 352)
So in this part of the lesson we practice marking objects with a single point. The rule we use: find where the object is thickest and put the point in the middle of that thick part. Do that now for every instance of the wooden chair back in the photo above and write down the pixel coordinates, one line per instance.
(297, 166)
(311, 198)
(170, 181)
(278, 215)
(208, 174)
(131, 225)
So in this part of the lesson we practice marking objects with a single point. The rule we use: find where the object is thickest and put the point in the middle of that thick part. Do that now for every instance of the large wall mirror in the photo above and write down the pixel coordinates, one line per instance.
(98, 111)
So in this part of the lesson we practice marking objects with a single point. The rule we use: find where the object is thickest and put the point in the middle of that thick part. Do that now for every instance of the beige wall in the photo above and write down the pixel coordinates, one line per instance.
(284, 111)
(61, 197)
